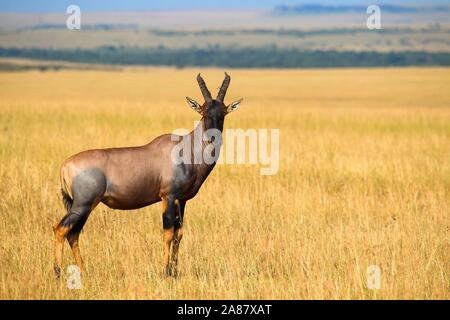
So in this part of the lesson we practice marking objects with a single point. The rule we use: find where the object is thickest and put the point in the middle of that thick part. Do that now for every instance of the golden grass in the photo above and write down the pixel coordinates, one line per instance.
(364, 179)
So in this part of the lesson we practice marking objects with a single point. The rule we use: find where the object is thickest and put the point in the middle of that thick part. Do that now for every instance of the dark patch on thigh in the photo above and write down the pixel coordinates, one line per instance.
(88, 186)
(183, 178)
(75, 219)
(169, 214)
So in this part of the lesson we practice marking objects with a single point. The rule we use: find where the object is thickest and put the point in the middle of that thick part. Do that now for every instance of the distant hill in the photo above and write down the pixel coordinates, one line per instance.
(336, 9)
(265, 57)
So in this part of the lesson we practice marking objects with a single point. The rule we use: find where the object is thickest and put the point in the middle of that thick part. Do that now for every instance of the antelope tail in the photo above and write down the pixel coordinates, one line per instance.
(67, 200)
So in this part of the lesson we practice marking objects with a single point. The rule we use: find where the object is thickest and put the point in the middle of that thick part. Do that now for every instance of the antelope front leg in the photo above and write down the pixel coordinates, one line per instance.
(169, 231)
(178, 235)
(167, 238)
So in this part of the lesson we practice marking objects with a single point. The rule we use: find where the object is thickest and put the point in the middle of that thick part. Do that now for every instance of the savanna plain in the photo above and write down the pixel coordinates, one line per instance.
(364, 179)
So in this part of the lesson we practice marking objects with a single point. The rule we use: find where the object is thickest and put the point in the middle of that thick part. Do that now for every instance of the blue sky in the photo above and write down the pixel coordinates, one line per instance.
(138, 5)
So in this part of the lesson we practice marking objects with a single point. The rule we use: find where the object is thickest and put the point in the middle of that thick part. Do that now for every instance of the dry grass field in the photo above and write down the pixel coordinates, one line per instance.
(364, 180)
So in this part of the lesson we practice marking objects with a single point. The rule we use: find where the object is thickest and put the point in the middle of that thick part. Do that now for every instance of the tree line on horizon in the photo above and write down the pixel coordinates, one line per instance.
(261, 57)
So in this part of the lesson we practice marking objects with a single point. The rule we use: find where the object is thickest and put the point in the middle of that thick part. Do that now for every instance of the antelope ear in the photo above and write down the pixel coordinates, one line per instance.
(234, 105)
(194, 105)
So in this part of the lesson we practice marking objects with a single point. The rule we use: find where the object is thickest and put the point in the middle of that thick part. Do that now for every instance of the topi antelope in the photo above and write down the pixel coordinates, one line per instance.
(135, 177)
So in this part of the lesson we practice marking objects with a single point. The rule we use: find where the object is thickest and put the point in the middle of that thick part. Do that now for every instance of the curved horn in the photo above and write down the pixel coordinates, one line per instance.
(223, 88)
(205, 92)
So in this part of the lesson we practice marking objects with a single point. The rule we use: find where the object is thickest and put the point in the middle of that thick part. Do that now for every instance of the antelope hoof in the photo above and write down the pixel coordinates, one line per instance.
(57, 270)
(171, 271)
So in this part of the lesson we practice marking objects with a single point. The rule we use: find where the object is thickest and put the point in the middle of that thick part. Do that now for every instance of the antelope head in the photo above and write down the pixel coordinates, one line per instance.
(213, 111)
